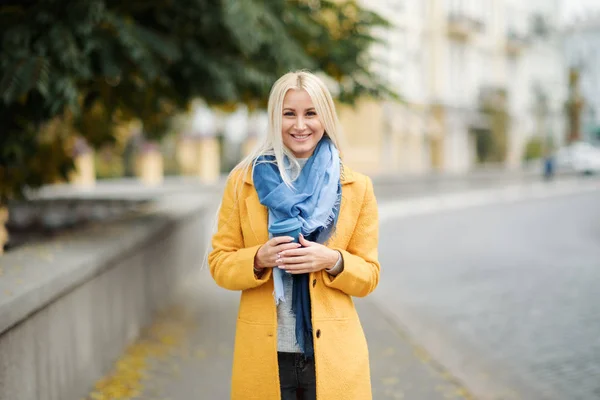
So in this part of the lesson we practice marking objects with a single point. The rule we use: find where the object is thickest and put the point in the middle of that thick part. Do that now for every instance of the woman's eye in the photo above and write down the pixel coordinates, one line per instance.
(288, 114)
(311, 113)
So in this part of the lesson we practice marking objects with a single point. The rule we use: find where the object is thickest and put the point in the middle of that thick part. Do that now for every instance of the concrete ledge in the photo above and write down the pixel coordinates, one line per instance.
(69, 307)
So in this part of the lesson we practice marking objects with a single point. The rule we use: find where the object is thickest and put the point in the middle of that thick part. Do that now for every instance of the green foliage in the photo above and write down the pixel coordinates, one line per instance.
(33, 158)
(574, 106)
(108, 163)
(534, 149)
(97, 63)
(491, 145)
(336, 35)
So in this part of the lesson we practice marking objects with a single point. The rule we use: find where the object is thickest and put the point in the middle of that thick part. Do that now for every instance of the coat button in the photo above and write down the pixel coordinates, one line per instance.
(318, 333)
(314, 282)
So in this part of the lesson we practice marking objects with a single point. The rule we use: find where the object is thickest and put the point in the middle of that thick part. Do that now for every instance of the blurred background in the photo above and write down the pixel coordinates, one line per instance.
(167, 89)
(478, 121)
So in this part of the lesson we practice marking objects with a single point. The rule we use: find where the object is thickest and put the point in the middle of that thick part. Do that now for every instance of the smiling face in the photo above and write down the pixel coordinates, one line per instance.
(301, 128)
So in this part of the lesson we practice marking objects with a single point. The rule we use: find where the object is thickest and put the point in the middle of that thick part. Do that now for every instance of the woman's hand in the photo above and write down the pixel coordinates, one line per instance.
(266, 256)
(312, 257)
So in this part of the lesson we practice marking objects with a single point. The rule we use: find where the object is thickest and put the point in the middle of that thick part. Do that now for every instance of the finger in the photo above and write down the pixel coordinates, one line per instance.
(294, 252)
(277, 240)
(299, 271)
(293, 260)
(304, 242)
(305, 266)
(287, 247)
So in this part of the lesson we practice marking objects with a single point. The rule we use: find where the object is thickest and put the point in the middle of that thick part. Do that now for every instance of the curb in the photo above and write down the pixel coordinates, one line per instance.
(481, 197)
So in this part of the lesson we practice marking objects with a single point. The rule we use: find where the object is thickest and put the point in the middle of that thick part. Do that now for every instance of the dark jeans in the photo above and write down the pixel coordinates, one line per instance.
(296, 377)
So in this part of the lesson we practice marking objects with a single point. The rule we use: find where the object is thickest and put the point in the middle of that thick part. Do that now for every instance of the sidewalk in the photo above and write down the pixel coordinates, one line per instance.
(197, 365)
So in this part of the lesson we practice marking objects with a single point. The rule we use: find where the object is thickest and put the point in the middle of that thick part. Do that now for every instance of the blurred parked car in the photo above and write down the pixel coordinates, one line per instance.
(581, 157)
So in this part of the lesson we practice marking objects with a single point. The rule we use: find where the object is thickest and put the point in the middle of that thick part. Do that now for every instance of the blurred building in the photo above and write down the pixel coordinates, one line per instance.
(582, 52)
(536, 75)
(446, 58)
(396, 137)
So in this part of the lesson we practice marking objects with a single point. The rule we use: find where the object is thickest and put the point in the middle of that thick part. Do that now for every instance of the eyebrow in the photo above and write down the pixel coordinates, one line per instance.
(291, 109)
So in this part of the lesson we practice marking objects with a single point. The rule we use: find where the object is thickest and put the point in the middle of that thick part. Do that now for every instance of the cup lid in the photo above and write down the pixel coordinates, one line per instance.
(285, 225)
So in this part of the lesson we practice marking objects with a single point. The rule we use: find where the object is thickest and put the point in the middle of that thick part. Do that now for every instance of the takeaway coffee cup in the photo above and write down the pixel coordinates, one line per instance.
(287, 227)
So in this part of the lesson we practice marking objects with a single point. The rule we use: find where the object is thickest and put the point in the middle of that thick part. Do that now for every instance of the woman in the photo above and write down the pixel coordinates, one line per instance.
(298, 333)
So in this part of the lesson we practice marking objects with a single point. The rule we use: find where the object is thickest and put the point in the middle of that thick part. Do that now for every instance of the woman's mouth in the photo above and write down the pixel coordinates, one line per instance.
(300, 138)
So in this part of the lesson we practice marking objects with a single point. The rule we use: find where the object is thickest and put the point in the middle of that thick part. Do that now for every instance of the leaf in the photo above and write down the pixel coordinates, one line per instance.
(23, 76)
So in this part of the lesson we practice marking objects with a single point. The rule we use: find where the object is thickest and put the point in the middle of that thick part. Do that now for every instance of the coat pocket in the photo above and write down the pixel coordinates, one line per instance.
(341, 360)
(255, 373)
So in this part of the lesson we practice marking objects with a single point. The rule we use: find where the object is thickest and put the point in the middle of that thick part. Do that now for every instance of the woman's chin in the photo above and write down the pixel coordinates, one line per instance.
(304, 151)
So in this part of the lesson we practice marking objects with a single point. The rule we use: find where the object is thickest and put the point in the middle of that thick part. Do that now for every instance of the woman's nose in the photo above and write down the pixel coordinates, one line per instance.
(300, 123)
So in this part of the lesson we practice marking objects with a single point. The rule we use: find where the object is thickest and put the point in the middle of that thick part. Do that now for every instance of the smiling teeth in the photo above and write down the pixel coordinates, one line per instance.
(300, 136)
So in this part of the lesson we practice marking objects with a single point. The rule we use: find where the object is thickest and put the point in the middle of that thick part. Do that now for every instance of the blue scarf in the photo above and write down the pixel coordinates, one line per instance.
(315, 201)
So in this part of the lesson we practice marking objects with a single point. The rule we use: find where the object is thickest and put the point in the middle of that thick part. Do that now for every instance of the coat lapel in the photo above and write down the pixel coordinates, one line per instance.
(347, 175)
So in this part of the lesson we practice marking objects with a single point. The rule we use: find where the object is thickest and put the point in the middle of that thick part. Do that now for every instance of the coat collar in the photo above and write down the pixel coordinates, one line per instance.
(347, 176)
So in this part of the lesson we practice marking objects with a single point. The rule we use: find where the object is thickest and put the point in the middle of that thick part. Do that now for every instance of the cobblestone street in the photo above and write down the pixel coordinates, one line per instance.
(505, 296)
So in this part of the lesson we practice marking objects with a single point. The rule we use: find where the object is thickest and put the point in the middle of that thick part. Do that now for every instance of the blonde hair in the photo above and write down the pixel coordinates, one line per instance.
(272, 143)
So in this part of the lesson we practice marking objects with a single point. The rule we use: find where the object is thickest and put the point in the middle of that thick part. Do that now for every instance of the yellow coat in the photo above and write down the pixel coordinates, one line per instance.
(341, 355)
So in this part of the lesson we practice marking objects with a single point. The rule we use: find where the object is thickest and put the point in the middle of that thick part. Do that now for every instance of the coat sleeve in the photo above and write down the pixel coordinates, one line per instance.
(360, 275)
(231, 264)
